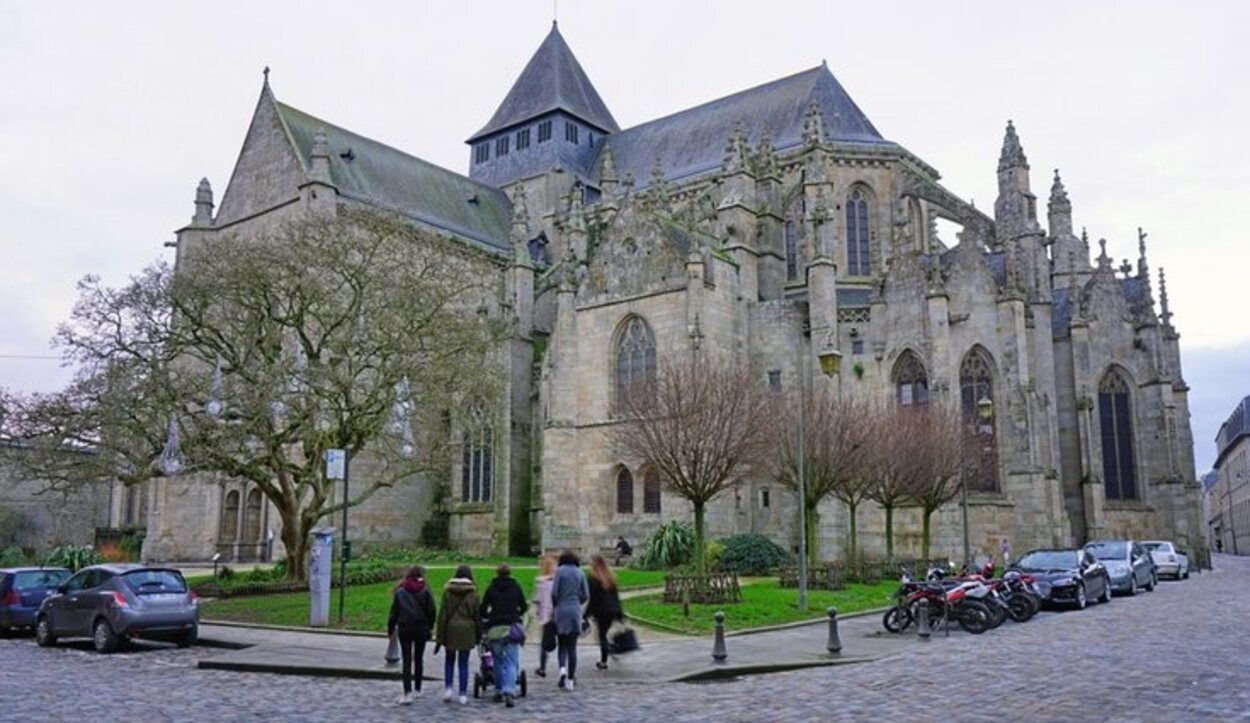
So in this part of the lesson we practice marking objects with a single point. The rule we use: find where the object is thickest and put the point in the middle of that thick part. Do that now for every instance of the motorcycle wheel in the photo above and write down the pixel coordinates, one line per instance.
(1020, 608)
(974, 616)
(896, 619)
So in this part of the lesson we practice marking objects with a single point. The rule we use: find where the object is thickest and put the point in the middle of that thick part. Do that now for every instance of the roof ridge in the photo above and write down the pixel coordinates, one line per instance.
(287, 106)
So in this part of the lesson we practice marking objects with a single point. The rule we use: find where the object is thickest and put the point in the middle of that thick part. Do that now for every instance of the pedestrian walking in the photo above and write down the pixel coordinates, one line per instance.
(605, 605)
(412, 617)
(459, 629)
(544, 608)
(568, 593)
(503, 604)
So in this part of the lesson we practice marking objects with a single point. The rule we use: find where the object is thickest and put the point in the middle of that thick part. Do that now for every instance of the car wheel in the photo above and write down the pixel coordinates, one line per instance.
(103, 637)
(1132, 584)
(5, 632)
(1186, 576)
(1106, 591)
(188, 639)
(43, 633)
(1154, 580)
(1081, 602)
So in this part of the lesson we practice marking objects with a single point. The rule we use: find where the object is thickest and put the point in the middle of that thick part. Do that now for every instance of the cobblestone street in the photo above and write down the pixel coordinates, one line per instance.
(1177, 654)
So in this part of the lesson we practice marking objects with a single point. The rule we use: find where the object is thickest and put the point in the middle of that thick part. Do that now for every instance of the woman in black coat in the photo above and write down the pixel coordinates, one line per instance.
(605, 605)
(413, 616)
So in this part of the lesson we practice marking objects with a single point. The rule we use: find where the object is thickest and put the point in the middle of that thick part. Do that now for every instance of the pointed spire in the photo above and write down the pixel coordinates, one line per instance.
(765, 156)
(319, 158)
(1013, 154)
(203, 204)
(1165, 312)
(1059, 195)
(658, 188)
(813, 126)
(265, 72)
(1143, 268)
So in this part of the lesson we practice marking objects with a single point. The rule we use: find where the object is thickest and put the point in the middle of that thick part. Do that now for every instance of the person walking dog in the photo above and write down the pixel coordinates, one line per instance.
(544, 611)
(502, 608)
(568, 593)
(459, 629)
(605, 605)
(412, 616)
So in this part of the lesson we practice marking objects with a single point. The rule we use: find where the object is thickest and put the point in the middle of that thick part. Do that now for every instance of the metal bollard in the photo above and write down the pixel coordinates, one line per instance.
(719, 654)
(392, 651)
(834, 646)
(922, 625)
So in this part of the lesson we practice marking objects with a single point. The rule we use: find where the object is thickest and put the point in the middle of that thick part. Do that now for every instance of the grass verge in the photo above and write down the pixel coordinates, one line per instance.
(763, 604)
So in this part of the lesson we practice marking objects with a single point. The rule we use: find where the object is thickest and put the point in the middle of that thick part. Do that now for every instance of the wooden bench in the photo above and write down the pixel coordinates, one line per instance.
(610, 553)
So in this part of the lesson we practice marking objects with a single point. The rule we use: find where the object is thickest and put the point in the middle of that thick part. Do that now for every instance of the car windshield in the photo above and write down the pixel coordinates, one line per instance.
(1108, 550)
(1048, 560)
(34, 579)
(1158, 546)
(147, 582)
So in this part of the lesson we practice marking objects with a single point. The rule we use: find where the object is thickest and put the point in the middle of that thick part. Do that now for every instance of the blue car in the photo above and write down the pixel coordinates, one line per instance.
(22, 590)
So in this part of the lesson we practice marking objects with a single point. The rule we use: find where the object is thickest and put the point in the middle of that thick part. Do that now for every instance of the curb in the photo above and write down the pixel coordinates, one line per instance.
(664, 627)
(721, 673)
(293, 629)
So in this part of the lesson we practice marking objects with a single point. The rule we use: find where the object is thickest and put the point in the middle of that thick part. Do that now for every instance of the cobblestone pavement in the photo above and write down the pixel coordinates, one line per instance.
(1178, 654)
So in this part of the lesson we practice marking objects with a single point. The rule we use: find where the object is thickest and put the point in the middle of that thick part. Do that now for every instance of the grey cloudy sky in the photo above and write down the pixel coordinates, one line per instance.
(111, 112)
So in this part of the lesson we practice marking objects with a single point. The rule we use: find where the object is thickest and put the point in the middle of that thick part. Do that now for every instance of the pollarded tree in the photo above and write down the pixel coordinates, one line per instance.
(359, 331)
(892, 471)
(838, 432)
(936, 451)
(700, 424)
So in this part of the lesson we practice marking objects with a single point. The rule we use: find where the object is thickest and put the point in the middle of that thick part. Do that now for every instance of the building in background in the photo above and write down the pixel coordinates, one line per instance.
(762, 226)
(1228, 499)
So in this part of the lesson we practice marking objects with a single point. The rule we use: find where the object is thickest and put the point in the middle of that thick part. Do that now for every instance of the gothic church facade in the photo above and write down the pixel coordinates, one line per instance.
(768, 226)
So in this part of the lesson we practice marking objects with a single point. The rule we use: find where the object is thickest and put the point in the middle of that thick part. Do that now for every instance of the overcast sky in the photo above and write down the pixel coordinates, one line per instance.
(111, 112)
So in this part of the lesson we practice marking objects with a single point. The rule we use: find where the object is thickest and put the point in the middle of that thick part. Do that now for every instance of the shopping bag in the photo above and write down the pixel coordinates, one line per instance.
(622, 638)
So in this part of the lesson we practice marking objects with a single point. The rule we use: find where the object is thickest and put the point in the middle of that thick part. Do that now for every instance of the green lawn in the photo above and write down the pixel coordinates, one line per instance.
(763, 604)
(367, 606)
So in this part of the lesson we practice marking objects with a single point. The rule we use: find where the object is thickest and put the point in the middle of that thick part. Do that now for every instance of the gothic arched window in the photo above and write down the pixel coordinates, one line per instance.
(1115, 420)
(858, 256)
(976, 393)
(624, 492)
(650, 492)
(792, 251)
(230, 517)
(635, 359)
(251, 517)
(911, 380)
(477, 472)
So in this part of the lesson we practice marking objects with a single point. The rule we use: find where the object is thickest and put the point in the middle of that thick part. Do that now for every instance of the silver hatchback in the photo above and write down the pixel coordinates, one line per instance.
(110, 603)
(1128, 564)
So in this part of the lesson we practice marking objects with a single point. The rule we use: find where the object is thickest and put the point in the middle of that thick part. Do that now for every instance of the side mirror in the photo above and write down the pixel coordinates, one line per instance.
(62, 588)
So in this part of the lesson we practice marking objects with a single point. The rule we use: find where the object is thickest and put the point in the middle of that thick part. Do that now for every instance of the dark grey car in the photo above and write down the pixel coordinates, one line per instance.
(110, 603)
(1127, 562)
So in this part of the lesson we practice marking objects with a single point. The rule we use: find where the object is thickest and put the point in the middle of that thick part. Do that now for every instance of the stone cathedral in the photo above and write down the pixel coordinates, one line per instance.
(769, 224)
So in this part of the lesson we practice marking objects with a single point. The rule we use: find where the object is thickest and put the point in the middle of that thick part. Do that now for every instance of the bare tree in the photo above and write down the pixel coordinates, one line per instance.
(837, 435)
(936, 451)
(699, 424)
(892, 468)
(359, 332)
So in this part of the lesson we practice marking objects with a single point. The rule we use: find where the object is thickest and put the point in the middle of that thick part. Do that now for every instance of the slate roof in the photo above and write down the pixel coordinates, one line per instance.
(1236, 427)
(389, 178)
(693, 141)
(552, 80)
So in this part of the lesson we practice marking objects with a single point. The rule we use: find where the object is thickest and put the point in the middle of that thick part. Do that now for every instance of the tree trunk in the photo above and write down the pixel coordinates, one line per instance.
(924, 536)
(889, 533)
(700, 563)
(295, 539)
(852, 546)
(813, 525)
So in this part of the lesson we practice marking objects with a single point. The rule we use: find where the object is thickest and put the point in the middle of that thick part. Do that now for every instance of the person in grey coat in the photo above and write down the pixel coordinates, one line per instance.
(569, 592)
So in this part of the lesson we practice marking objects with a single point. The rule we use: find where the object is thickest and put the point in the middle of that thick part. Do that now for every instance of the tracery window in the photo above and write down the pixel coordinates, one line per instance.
(251, 517)
(911, 380)
(624, 492)
(858, 256)
(230, 517)
(1115, 419)
(976, 386)
(650, 492)
(635, 359)
(792, 251)
(477, 468)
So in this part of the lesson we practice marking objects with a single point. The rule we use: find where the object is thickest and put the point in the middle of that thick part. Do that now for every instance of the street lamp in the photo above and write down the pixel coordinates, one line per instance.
(985, 412)
(830, 365)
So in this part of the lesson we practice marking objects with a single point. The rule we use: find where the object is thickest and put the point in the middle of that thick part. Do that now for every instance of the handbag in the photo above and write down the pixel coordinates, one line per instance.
(622, 638)
(516, 633)
(549, 635)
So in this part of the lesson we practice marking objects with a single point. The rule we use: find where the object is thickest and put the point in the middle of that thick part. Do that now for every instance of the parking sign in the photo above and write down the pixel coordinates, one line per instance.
(336, 464)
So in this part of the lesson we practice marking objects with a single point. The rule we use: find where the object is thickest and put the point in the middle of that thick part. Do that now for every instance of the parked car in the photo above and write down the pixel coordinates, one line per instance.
(22, 590)
(1066, 576)
(1128, 564)
(1168, 559)
(110, 603)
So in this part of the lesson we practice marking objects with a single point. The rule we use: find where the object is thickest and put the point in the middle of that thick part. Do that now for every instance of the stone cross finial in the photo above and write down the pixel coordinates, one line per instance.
(1104, 261)
(1126, 268)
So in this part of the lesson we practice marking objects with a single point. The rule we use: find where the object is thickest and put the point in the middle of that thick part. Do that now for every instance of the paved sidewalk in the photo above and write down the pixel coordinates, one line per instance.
(662, 657)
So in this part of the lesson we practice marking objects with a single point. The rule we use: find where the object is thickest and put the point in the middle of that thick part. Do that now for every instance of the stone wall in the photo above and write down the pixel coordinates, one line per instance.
(58, 518)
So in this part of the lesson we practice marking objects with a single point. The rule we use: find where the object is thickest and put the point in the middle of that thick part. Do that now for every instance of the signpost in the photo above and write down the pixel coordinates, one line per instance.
(338, 467)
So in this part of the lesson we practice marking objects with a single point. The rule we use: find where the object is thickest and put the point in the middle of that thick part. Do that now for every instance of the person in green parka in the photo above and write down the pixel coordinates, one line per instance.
(459, 629)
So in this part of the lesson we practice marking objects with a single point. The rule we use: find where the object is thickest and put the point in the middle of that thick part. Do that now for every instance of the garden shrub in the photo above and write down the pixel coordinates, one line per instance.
(671, 545)
(751, 554)
(74, 557)
(12, 556)
(712, 555)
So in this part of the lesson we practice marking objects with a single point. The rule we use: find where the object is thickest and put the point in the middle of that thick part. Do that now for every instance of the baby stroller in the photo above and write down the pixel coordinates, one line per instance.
(484, 678)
